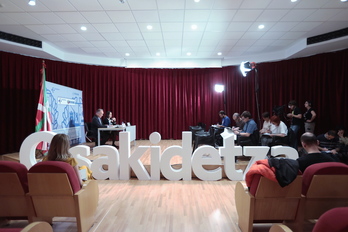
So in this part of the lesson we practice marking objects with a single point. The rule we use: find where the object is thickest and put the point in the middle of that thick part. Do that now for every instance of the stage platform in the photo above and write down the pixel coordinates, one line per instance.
(176, 161)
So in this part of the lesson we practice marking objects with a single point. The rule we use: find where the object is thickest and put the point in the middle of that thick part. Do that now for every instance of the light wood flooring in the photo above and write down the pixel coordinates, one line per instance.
(163, 206)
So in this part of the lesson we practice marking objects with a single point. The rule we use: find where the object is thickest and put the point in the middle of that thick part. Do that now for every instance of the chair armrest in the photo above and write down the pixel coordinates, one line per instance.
(245, 205)
(279, 228)
(89, 193)
(86, 203)
(38, 226)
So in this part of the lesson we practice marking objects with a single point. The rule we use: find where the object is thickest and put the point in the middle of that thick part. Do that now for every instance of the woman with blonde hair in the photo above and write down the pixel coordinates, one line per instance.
(59, 151)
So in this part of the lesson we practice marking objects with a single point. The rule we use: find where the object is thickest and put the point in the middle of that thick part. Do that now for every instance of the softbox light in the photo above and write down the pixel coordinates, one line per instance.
(245, 67)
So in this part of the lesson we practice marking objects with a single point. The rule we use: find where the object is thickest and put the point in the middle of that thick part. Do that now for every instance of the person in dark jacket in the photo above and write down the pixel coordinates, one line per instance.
(310, 144)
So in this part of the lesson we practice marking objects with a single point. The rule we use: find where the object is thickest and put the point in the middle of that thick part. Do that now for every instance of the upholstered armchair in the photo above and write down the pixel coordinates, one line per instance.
(266, 201)
(56, 192)
(13, 190)
(324, 187)
(32, 227)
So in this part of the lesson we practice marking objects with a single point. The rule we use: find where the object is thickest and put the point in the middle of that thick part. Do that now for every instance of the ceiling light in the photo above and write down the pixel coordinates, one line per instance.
(261, 26)
(196, 0)
(189, 53)
(194, 27)
(32, 2)
(344, 0)
(158, 54)
(293, 0)
(127, 54)
(149, 27)
(219, 53)
(83, 28)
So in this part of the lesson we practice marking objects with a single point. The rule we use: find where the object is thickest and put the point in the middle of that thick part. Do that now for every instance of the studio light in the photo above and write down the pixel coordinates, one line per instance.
(219, 88)
(32, 2)
(246, 67)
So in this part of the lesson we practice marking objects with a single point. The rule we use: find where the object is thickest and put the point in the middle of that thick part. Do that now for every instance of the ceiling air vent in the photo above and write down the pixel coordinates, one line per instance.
(327, 36)
(20, 39)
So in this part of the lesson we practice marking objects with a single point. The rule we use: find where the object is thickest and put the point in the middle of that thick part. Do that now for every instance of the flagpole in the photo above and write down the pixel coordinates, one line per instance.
(43, 116)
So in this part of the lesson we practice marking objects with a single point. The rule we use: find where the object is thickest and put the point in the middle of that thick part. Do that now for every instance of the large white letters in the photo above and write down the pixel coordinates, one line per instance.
(120, 162)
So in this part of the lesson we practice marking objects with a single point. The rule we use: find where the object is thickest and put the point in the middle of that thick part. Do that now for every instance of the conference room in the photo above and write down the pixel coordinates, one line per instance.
(155, 64)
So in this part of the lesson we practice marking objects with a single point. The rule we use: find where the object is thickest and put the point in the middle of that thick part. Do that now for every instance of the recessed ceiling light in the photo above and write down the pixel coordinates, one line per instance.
(344, 0)
(158, 54)
(149, 27)
(293, 0)
(194, 27)
(83, 28)
(189, 53)
(261, 26)
(32, 2)
(219, 53)
(196, 0)
(127, 54)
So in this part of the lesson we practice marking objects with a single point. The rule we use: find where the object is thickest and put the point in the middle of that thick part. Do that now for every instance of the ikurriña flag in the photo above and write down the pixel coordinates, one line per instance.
(43, 115)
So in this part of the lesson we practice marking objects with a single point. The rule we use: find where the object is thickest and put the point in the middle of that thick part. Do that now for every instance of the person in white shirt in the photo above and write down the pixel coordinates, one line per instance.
(278, 132)
(266, 128)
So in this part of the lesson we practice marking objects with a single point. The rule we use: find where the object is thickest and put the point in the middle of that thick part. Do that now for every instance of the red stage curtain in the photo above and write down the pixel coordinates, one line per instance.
(170, 100)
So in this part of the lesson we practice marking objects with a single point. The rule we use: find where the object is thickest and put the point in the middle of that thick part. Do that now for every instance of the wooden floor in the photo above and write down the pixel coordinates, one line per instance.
(163, 206)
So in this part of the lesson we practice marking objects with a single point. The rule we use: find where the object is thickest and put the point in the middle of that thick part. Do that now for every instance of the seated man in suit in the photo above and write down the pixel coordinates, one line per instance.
(310, 144)
(97, 123)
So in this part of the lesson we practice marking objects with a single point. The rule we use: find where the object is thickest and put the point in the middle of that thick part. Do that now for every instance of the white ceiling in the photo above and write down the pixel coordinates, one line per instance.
(226, 26)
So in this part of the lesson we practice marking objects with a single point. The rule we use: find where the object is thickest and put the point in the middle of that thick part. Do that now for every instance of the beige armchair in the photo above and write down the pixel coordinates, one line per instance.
(266, 202)
(13, 190)
(324, 187)
(55, 191)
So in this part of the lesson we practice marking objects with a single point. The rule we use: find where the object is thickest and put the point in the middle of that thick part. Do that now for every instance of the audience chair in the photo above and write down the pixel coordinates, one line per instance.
(207, 138)
(266, 202)
(56, 192)
(88, 132)
(252, 140)
(14, 186)
(194, 130)
(280, 228)
(333, 220)
(288, 140)
(324, 187)
(32, 227)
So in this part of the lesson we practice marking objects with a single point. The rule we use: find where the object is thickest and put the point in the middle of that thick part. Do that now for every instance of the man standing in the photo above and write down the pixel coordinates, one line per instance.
(296, 120)
(310, 144)
(226, 121)
(97, 123)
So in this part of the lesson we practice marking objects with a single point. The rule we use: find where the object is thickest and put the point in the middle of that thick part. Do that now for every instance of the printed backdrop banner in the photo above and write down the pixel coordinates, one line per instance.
(66, 111)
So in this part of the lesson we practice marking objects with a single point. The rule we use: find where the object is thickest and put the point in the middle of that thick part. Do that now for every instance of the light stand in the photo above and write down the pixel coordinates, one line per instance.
(245, 68)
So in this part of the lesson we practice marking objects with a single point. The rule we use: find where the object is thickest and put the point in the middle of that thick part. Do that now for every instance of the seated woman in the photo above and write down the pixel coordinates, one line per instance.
(59, 151)
(277, 133)
(109, 120)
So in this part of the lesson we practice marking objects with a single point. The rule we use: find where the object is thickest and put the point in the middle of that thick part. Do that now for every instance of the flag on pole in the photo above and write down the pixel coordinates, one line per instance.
(43, 115)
